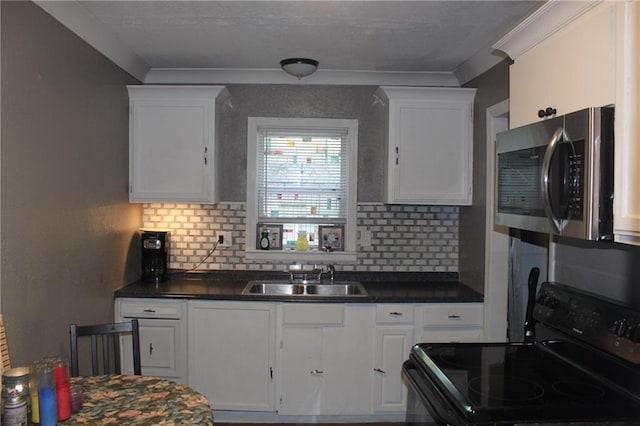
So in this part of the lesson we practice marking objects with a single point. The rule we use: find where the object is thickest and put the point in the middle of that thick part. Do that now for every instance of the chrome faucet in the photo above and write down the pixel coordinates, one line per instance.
(332, 273)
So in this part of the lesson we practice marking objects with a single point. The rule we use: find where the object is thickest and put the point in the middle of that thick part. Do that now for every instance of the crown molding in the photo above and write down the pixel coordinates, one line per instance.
(542, 23)
(73, 16)
(482, 61)
(277, 76)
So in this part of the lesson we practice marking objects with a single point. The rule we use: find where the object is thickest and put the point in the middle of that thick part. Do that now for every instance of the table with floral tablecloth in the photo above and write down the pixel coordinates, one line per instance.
(139, 400)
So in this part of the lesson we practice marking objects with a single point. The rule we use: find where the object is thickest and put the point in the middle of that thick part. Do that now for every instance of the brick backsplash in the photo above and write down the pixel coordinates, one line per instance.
(404, 238)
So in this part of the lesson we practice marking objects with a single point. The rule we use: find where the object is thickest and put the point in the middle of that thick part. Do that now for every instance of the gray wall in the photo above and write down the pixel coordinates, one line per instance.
(493, 87)
(67, 226)
(346, 102)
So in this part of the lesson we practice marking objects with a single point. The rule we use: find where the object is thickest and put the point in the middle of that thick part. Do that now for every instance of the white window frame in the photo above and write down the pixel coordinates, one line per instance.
(349, 253)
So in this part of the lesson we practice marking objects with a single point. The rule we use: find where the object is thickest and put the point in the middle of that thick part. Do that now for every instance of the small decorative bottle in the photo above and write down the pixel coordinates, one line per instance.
(265, 244)
(302, 244)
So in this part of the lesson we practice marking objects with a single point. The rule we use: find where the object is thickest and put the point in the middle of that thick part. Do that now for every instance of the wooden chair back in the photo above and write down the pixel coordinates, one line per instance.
(105, 346)
(4, 347)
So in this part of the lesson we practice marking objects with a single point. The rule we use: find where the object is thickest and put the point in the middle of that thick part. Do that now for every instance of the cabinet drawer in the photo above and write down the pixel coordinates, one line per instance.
(394, 314)
(451, 335)
(320, 314)
(453, 314)
(151, 310)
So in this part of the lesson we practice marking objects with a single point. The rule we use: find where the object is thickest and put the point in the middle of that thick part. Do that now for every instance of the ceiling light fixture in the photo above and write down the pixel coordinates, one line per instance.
(299, 67)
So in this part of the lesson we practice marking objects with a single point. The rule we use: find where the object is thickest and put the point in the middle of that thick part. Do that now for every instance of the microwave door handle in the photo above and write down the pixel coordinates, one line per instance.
(557, 137)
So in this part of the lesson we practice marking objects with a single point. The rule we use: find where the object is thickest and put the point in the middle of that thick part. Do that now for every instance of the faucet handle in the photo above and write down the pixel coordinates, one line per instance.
(331, 270)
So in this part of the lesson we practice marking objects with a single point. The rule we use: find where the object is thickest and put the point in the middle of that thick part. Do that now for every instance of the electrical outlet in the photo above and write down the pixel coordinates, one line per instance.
(227, 240)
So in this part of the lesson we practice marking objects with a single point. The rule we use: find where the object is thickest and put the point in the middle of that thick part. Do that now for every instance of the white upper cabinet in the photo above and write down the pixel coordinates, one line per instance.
(574, 55)
(172, 143)
(570, 69)
(429, 145)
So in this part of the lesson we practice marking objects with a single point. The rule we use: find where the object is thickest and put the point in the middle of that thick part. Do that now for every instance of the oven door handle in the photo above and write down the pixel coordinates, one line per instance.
(557, 137)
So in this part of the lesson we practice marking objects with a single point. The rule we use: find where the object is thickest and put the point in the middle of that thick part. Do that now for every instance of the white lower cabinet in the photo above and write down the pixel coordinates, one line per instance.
(324, 359)
(293, 359)
(163, 336)
(231, 353)
(450, 322)
(393, 341)
(391, 350)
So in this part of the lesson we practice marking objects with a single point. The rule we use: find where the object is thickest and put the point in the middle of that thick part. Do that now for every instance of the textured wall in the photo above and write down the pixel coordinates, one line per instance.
(403, 238)
(345, 102)
(492, 88)
(67, 226)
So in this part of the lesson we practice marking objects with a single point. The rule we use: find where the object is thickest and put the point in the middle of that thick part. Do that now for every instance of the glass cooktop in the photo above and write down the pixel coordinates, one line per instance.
(511, 381)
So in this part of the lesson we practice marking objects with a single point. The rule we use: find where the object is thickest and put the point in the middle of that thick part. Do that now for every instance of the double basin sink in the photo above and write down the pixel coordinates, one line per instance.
(305, 289)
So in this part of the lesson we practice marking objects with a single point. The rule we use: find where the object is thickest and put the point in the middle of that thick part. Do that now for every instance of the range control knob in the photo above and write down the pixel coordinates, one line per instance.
(620, 328)
(552, 302)
(634, 333)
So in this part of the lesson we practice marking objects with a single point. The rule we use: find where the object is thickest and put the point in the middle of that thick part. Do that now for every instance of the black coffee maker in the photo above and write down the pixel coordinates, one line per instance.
(154, 255)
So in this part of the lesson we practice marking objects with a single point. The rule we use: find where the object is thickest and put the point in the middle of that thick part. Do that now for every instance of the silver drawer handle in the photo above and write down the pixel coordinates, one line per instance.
(316, 372)
(379, 370)
(396, 314)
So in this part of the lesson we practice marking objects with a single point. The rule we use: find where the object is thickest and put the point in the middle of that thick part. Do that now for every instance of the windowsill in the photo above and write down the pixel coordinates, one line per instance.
(301, 256)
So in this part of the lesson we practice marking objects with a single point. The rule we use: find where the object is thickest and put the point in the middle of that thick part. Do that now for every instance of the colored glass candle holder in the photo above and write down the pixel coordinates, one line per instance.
(47, 396)
(76, 398)
(63, 395)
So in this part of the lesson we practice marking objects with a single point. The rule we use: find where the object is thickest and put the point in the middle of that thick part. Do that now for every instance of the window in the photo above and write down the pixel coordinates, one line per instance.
(301, 176)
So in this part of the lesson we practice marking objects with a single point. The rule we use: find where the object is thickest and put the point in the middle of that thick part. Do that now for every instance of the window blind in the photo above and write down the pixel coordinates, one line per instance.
(302, 175)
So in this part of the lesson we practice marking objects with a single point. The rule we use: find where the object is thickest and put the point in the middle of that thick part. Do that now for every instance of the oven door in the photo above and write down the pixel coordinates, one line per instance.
(425, 403)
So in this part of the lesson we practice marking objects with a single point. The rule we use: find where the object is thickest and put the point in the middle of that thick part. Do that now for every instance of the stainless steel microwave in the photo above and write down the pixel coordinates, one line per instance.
(556, 176)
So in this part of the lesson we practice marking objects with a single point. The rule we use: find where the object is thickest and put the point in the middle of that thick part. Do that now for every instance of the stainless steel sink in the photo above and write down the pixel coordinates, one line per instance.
(277, 288)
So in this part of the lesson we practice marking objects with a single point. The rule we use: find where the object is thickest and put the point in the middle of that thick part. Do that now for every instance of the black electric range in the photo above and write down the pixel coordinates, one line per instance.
(581, 366)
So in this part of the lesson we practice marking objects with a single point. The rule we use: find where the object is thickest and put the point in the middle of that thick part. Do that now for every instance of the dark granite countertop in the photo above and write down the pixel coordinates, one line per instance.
(381, 287)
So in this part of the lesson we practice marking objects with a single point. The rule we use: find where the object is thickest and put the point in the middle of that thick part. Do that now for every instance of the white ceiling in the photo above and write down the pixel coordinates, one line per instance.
(371, 36)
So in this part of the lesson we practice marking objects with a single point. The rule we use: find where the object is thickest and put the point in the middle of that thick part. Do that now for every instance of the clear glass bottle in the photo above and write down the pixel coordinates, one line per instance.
(302, 243)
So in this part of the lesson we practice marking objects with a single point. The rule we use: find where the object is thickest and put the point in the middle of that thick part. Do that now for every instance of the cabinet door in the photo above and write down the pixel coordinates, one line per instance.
(348, 363)
(171, 144)
(231, 353)
(301, 371)
(530, 86)
(325, 359)
(586, 50)
(391, 350)
(430, 147)
(162, 350)
(571, 70)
